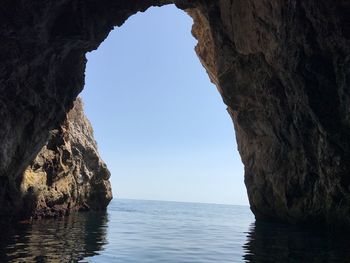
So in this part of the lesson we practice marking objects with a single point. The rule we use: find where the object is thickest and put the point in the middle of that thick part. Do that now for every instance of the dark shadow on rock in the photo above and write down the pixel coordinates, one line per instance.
(276, 243)
(55, 240)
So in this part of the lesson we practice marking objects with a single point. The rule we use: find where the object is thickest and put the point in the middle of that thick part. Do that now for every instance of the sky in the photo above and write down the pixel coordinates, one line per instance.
(160, 124)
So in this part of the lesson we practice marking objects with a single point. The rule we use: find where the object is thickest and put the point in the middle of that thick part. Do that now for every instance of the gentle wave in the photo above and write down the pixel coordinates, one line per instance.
(153, 231)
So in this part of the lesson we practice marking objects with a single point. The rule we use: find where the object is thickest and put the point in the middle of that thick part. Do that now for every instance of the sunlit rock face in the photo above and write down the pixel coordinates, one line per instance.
(281, 66)
(68, 173)
(43, 46)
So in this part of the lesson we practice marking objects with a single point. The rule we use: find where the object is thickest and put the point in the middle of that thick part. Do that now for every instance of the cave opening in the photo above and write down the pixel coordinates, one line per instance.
(160, 124)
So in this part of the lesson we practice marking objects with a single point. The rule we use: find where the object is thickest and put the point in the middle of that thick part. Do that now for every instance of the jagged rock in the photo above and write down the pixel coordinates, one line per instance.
(68, 173)
(283, 69)
(281, 66)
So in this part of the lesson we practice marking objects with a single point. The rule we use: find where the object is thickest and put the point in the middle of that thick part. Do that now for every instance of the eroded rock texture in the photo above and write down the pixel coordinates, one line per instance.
(281, 66)
(68, 173)
(283, 69)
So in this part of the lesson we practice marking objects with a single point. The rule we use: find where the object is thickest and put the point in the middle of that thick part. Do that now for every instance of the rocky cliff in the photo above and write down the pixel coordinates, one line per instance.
(281, 66)
(283, 69)
(68, 173)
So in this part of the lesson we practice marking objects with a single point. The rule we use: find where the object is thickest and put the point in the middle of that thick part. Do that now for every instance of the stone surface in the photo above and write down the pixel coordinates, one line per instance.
(281, 66)
(68, 173)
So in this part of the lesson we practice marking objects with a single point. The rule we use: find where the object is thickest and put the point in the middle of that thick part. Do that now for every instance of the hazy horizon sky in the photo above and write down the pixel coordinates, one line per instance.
(160, 124)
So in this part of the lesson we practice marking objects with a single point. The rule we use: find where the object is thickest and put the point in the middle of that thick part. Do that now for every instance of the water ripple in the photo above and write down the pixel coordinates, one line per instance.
(150, 231)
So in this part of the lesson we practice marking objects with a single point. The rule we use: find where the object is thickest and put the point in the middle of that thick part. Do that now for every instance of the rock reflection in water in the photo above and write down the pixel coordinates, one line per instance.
(271, 243)
(55, 240)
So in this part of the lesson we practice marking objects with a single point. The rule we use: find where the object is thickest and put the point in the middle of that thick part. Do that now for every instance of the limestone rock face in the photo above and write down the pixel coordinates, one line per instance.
(68, 173)
(283, 69)
(281, 66)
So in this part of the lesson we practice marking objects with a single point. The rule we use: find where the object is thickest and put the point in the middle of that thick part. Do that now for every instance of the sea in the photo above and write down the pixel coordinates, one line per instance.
(139, 231)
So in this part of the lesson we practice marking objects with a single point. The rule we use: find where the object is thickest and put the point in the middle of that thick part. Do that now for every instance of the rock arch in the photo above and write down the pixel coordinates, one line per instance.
(282, 68)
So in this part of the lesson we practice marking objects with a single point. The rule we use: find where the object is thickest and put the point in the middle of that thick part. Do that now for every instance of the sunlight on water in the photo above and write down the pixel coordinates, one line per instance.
(153, 231)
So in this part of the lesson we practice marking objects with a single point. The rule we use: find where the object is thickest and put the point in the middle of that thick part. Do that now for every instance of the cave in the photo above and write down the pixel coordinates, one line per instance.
(160, 124)
(281, 67)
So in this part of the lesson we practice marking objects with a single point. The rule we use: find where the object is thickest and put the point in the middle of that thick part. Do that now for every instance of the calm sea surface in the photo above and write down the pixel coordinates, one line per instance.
(152, 231)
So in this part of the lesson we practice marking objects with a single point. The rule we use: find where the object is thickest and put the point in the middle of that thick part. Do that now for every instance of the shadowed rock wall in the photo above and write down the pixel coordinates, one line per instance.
(283, 69)
(281, 66)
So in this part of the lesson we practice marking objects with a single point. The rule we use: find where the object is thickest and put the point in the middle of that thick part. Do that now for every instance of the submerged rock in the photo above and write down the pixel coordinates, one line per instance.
(68, 173)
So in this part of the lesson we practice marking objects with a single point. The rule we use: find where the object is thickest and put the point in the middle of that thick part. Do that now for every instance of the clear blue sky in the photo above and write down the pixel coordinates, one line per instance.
(160, 124)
